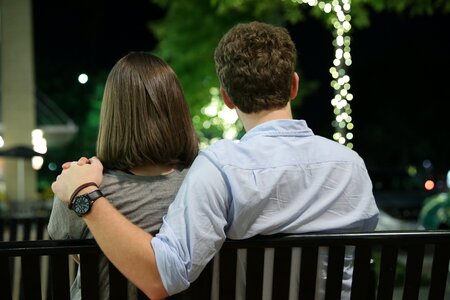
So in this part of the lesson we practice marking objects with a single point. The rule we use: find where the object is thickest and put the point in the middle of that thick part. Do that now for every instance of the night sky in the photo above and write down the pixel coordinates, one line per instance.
(91, 35)
(399, 76)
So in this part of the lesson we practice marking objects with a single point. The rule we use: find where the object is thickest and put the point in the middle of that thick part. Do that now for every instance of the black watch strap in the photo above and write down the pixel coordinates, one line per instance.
(94, 195)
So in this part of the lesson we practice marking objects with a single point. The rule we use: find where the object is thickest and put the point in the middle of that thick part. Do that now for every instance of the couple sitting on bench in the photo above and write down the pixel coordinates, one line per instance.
(279, 178)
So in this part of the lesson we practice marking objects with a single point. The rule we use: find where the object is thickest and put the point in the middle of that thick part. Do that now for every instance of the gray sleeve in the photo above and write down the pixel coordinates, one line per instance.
(64, 223)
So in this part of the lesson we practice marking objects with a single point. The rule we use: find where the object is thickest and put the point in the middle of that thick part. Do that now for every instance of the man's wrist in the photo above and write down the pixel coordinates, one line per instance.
(78, 191)
(83, 198)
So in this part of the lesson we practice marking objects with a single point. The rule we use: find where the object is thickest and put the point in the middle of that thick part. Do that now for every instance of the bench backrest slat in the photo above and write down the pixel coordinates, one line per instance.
(439, 271)
(59, 276)
(388, 264)
(414, 263)
(89, 276)
(31, 274)
(5, 278)
(228, 261)
(254, 274)
(118, 288)
(333, 287)
(308, 272)
(281, 272)
(361, 273)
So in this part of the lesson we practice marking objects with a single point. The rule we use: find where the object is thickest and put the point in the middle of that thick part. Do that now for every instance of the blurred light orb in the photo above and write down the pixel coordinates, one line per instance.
(427, 164)
(52, 166)
(412, 171)
(429, 185)
(37, 162)
(83, 78)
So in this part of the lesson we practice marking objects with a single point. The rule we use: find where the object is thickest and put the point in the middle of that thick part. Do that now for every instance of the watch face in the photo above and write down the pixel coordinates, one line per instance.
(81, 205)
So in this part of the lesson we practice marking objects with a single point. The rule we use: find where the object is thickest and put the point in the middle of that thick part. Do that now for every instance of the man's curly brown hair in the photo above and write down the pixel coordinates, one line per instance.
(255, 63)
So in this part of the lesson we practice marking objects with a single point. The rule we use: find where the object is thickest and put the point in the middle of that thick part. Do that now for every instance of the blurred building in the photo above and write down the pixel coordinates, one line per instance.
(28, 119)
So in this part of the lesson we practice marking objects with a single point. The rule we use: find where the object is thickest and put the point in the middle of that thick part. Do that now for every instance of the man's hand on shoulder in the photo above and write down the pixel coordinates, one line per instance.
(76, 173)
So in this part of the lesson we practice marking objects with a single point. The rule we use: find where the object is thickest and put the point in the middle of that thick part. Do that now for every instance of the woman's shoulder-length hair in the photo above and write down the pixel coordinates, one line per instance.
(144, 117)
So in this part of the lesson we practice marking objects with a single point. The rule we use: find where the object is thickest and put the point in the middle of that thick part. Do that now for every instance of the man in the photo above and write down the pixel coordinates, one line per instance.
(279, 177)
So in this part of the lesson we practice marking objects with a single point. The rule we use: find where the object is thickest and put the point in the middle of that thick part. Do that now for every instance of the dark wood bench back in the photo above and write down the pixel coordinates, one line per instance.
(378, 258)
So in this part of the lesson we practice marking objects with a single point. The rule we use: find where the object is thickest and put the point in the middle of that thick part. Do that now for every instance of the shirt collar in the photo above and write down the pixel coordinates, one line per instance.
(280, 128)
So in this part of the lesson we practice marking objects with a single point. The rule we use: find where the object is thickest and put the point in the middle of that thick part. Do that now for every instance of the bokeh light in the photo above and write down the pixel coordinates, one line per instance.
(83, 78)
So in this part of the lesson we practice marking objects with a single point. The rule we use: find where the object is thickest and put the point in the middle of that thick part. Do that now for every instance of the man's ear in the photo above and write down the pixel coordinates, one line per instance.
(294, 86)
(226, 99)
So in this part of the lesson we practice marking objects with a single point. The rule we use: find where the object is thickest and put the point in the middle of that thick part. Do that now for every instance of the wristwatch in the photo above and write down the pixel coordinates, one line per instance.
(82, 204)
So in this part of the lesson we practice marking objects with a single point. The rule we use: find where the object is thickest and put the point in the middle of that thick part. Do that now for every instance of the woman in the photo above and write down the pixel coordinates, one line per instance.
(146, 142)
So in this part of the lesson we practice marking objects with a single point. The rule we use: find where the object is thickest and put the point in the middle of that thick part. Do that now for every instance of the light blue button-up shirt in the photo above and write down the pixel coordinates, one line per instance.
(279, 177)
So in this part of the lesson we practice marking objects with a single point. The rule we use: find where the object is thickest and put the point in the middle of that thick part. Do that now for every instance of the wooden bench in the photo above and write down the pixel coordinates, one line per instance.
(386, 264)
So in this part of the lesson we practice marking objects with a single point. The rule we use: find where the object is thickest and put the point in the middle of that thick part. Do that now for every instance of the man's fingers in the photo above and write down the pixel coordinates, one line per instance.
(96, 162)
(83, 160)
(66, 165)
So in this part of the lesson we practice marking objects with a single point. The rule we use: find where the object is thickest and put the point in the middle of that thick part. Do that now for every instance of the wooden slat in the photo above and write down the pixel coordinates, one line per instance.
(439, 272)
(59, 276)
(89, 276)
(413, 273)
(361, 273)
(118, 284)
(31, 277)
(335, 271)
(281, 273)
(388, 266)
(254, 273)
(308, 272)
(227, 270)
(5, 278)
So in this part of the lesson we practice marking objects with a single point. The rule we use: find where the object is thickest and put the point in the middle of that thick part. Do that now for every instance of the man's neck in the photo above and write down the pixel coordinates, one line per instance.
(254, 119)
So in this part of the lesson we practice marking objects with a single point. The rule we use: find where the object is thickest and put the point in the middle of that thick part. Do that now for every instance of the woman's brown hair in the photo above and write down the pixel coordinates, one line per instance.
(144, 117)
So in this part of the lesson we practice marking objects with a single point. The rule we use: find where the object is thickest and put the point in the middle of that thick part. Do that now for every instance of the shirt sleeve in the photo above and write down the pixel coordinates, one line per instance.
(194, 228)
(64, 223)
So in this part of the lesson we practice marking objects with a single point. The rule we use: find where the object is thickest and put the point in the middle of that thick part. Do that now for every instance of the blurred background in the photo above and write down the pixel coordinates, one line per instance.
(374, 77)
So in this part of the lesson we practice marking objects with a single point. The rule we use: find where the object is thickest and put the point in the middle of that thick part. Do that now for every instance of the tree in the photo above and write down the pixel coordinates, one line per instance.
(191, 29)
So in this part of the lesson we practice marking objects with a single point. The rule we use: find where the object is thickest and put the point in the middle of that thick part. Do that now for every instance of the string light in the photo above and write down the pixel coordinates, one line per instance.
(340, 82)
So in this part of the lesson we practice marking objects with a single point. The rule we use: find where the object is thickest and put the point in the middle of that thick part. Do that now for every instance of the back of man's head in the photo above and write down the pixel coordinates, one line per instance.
(255, 63)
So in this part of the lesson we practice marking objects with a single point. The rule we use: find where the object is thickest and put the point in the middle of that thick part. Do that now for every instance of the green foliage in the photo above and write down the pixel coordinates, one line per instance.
(361, 8)
(189, 34)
